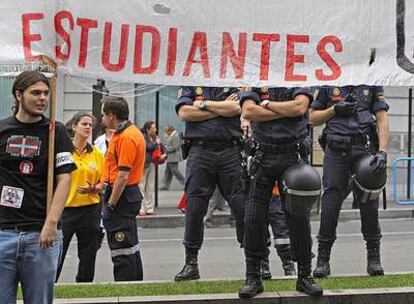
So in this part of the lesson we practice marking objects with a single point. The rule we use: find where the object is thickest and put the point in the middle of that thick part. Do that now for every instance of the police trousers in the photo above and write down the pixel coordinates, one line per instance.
(278, 224)
(122, 234)
(271, 168)
(205, 169)
(337, 171)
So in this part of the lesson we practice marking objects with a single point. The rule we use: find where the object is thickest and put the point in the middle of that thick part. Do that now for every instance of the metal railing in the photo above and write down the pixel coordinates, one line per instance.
(402, 175)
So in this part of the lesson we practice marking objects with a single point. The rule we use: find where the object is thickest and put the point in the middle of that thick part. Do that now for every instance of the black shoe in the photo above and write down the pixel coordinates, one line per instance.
(253, 284)
(289, 268)
(189, 272)
(251, 288)
(265, 271)
(309, 286)
(322, 269)
(163, 188)
(374, 267)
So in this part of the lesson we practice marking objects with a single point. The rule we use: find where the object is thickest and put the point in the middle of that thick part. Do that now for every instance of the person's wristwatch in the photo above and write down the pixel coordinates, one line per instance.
(264, 103)
(203, 105)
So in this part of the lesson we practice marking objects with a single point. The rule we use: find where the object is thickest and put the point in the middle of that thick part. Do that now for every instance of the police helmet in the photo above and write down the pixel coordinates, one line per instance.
(301, 186)
(368, 184)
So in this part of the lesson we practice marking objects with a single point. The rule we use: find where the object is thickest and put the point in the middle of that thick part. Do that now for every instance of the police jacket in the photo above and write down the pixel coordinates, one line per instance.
(283, 130)
(369, 100)
(216, 129)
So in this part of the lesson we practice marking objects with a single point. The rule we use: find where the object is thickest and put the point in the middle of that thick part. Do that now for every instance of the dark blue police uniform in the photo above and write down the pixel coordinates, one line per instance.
(213, 159)
(280, 231)
(281, 239)
(278, 141)
(282, 143)
(347, 139)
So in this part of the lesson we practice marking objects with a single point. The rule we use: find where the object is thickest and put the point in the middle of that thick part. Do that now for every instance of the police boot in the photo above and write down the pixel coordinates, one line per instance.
(190, 270)
(323, 269)
(265, 271)
(288, 267)
(374, 267)
(305, 282)
(253, 284)
(287, 261)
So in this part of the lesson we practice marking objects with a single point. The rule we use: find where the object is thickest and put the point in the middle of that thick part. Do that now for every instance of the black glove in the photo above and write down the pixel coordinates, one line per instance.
(379, 161)
(345, 108)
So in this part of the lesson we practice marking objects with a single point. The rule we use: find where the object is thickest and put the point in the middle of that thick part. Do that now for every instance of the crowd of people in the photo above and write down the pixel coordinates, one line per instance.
(246, 146)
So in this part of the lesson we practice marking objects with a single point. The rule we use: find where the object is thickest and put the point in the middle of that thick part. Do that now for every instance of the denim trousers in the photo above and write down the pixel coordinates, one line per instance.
(22, 260)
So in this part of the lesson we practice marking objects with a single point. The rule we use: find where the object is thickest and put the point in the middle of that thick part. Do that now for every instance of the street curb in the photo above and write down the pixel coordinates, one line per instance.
(178, 220)
(367, 296)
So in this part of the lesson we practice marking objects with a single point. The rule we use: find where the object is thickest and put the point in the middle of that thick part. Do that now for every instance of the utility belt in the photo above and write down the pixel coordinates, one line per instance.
(293, 147)
(343, 143)
(215, 145)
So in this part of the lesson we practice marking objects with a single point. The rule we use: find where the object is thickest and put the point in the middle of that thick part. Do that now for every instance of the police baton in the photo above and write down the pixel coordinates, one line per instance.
(384, 198)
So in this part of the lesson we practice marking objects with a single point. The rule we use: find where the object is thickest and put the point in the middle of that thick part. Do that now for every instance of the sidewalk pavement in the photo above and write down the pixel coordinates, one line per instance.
(368, 296)
(168, 216)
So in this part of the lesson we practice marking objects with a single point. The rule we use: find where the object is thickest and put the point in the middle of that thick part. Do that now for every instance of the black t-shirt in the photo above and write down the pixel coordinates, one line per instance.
(23, 170)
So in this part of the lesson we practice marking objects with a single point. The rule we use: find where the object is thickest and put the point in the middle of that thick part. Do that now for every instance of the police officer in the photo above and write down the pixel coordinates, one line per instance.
(279, 123)
(276, 220)
(351, 114)
(123, 170)
(212, 117)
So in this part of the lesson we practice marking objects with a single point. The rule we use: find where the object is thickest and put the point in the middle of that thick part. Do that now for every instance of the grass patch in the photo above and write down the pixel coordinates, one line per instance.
(199, 287)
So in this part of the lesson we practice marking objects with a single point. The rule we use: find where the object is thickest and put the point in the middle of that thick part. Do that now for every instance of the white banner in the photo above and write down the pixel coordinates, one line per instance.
(216, 42)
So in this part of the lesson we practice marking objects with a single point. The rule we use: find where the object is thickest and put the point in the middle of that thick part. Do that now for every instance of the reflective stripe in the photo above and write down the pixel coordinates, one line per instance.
(282, 241)
(124, 251)
(366, 190)
(303, 193)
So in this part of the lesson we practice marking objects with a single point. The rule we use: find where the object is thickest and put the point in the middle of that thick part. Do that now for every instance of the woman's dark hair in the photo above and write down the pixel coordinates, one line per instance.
(79, 115)
(147, 126)
(116, 105)
(25, 80)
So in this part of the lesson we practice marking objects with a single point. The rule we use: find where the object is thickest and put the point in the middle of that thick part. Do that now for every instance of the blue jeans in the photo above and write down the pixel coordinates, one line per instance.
(22, 260)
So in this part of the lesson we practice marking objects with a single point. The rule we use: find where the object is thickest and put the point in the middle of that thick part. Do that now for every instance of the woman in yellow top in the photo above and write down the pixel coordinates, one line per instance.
(82, 213)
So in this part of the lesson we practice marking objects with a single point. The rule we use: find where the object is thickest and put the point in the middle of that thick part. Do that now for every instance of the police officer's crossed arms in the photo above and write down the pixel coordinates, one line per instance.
(279, 126)
(212, 117)
(355, 143)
